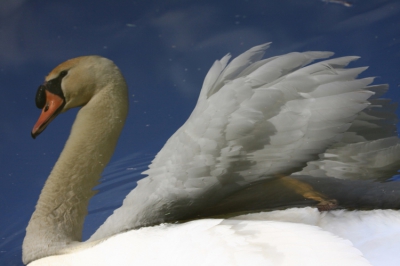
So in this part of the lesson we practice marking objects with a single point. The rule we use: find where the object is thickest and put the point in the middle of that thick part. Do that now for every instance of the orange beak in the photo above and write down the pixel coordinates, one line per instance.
(52, 108)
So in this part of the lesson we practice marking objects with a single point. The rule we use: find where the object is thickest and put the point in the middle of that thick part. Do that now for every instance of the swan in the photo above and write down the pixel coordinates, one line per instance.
(256, 120)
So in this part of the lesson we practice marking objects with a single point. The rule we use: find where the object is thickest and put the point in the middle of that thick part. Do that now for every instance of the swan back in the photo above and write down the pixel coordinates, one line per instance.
(219, 242)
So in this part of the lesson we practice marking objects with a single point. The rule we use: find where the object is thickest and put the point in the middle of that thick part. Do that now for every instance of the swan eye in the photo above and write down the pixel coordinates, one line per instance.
(40, 97)
(63, 73)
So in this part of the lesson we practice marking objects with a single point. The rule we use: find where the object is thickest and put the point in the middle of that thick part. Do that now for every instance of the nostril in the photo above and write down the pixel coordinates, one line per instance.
(46, 108)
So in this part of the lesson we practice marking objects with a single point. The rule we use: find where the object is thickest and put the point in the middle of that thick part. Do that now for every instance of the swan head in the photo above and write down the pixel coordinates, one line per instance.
(71, 84)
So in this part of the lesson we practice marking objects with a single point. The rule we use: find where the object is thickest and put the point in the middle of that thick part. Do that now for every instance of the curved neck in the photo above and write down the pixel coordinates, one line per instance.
(62, 206)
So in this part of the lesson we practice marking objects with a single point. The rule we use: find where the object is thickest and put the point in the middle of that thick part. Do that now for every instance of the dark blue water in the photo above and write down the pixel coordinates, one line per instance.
(164, 49)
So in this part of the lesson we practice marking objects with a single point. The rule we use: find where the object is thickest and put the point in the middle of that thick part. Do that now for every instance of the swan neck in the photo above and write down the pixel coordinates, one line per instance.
(57, 222)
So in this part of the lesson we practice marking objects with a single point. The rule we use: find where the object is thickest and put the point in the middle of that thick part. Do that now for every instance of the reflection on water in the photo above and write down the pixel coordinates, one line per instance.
(340, 2)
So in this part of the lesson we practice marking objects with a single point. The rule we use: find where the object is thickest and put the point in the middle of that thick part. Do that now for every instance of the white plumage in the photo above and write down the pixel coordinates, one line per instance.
(298, 236)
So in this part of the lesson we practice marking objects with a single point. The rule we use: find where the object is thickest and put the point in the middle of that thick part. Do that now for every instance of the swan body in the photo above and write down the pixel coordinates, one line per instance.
(256, 119)
(297, 236)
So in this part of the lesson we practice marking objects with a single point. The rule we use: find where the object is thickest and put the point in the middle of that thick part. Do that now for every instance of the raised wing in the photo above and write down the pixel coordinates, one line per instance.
(255, 120)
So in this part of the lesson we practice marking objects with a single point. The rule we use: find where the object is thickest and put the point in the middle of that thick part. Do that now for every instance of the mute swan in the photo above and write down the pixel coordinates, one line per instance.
(255, 119)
